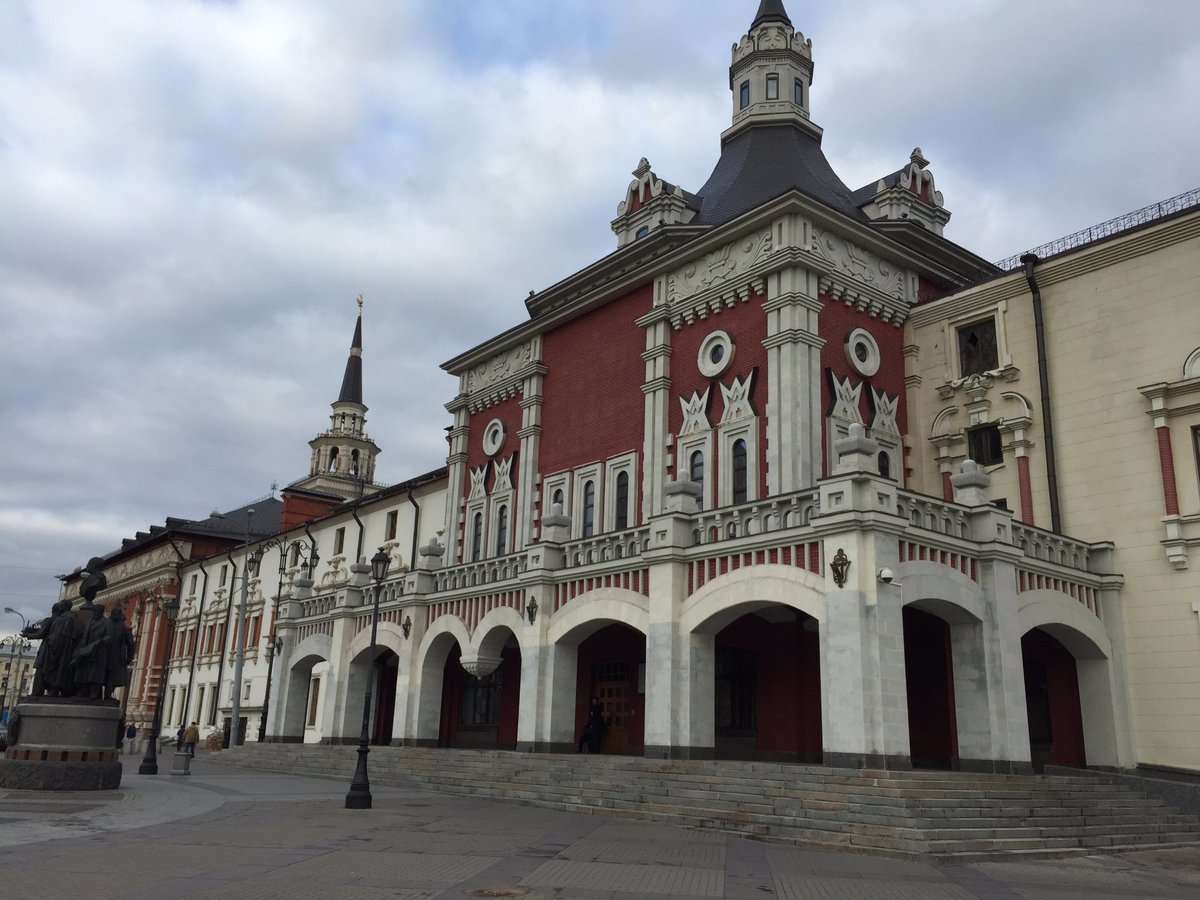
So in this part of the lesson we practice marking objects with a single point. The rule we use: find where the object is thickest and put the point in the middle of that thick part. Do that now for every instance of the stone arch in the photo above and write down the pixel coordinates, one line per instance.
(595, 609)
(1101, 695)
(490, 634)
(1191, 366)
(950, 711)
(711, 608)
(358, 664)
(429, 668)
(942, 591)
(292, 705)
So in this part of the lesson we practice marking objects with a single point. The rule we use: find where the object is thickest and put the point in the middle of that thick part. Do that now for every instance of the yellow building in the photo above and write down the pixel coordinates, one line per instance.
(1074, 379)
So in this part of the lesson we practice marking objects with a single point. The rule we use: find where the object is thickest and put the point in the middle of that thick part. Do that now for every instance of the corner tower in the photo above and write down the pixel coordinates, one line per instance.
(343, 457)
(771, 74)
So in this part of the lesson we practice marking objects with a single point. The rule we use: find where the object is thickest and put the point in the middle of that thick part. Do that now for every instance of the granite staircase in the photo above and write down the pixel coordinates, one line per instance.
(949, 817)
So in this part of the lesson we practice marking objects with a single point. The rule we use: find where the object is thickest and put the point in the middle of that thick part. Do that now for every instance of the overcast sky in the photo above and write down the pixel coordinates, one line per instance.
(193, 194)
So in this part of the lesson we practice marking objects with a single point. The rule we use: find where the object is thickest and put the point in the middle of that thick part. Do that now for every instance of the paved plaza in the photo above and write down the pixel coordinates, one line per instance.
(237, 833)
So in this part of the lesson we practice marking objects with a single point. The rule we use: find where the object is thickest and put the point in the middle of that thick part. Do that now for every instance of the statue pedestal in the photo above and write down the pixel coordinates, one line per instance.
(63, 744)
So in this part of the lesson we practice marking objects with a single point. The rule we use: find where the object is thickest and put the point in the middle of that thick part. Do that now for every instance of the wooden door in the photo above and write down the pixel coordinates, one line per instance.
(613, 688)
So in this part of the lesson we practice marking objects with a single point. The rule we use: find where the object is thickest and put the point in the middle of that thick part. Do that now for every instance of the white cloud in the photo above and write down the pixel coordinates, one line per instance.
(196, 192)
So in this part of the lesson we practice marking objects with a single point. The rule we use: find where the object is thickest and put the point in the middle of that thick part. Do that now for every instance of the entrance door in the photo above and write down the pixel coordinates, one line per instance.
(612, 687)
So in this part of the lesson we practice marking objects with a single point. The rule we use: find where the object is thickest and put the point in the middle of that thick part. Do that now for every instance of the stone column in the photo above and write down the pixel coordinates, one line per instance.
(418, 585)
(793, 378)
(657, 390)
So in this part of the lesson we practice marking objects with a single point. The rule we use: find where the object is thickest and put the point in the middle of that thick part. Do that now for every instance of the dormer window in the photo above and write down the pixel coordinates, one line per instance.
(798, 93)
(772, 87)
(745, 94)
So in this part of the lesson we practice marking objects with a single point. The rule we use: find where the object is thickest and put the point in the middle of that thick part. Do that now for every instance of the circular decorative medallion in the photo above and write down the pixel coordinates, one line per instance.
(716, 354)
(862, 352)
(493, 437)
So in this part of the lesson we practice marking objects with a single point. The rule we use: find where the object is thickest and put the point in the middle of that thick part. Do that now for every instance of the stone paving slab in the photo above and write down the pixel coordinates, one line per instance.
(232, 833)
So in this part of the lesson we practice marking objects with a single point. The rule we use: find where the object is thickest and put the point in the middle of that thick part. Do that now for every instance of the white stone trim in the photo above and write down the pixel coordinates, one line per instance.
(626, 462)
(493, 437)
(708, 368)
(861, 339)
(582, 475)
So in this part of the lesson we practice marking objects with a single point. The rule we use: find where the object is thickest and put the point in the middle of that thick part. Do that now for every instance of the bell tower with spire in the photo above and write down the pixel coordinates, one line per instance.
(343, 457)
(771, 74)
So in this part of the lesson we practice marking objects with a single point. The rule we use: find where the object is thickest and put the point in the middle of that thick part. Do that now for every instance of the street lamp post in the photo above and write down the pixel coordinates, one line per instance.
(149, 765)
(359, 795)
(274, 643)
(239, 657)
(17, 643)
(15, 612)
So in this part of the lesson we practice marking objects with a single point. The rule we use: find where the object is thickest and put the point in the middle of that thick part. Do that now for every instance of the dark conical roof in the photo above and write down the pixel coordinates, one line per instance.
(352, 380)
(764, 162)
(771, 11)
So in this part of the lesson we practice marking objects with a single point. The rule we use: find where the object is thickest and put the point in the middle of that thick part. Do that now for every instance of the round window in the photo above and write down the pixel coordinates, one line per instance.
(716, 354)
(862, 352)
(493, 437)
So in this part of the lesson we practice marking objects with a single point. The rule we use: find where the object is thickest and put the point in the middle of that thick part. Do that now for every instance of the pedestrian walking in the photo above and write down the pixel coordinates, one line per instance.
(191, 737)
(593, 731)
(130, 737)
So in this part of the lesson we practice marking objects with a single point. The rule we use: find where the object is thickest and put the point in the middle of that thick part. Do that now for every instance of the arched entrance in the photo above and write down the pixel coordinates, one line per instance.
(1052, 702)
(767, 687)
(302, 709)
(611, 666)
(482, 710)
(379, 666)
(929, 680)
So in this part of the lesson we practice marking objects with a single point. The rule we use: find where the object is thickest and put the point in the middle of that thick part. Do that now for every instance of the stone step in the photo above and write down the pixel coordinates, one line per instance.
(938, 815)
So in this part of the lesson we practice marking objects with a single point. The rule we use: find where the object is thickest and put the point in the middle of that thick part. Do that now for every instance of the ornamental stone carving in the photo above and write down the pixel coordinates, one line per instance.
(853, 262)
(709, 271)
(499, 368)
(479, 665)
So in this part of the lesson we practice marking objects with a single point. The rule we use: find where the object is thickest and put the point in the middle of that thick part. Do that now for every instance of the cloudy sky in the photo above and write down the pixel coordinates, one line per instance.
(193, 194)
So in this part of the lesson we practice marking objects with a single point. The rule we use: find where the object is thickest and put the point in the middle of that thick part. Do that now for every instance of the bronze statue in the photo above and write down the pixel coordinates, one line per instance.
(59, 635)
(120, 651)
(90, 659)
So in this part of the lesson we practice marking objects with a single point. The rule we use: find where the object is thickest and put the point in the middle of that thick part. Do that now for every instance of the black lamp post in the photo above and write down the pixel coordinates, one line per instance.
(274, 644)
(149, 765)
(359, 795)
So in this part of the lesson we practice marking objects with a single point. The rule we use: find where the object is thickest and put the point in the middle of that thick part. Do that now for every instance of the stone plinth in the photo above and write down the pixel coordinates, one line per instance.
(63, 744)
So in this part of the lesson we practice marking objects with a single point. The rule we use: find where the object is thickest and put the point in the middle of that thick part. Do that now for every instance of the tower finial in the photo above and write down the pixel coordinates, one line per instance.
(360, 303)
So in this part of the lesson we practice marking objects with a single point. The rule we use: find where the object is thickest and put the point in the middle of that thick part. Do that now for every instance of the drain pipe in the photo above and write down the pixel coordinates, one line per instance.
(358, 555)
(1030, 261)
(187, 697)
(412, 559)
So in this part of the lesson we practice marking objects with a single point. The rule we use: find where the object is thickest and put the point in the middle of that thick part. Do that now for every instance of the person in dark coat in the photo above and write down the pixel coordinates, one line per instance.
(120, 650)
(593, 731)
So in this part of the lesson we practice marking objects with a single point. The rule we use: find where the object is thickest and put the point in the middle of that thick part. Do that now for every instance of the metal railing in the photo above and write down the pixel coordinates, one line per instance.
(1128, 221)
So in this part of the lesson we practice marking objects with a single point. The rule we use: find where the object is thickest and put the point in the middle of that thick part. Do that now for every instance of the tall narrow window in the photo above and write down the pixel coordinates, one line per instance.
(224, 575)
(622, 501)
(476, 537)
(745, 94)
(696, 472)
(557, 498)
(353, 462)
(502, 531)
(314, 695)
(739, 471)
(798, 92)
(589, 508)
(977, 351)
(772, 87)
(339, 541)
(389, 531)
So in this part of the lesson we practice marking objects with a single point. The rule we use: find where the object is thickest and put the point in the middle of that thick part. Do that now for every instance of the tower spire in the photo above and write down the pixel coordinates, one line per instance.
(352, 381)
(771, 11)
(343, 457)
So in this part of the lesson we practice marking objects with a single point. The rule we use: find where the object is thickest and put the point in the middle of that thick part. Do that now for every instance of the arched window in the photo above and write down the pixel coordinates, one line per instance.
(885, 464)
(353, 462)
(696, 473)
(502, 531)
(557, 498)
(589, 508)
(622, 501)
(476, 537)
(739, 471)
(333, 459)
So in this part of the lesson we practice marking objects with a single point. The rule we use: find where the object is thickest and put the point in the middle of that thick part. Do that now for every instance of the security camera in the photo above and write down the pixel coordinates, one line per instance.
(886, 576)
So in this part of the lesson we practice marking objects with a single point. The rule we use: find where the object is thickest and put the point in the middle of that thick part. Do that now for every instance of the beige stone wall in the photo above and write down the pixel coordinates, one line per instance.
(1119, 316)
